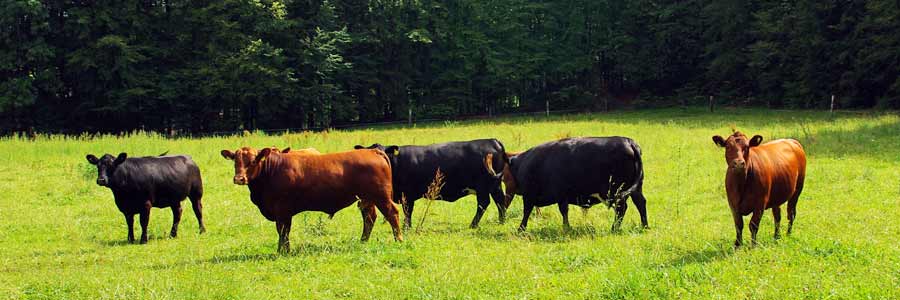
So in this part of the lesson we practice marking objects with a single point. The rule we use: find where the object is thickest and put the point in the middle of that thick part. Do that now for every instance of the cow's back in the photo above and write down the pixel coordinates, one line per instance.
(326, 183)
(462, 164)
(164, 180)
(574, 167)
(778, 167)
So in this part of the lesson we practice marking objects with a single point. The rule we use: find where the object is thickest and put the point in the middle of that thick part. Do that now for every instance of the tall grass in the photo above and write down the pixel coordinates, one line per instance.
(62, 237)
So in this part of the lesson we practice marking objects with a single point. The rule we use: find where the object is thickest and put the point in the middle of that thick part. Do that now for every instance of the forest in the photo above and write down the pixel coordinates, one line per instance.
(201, 66)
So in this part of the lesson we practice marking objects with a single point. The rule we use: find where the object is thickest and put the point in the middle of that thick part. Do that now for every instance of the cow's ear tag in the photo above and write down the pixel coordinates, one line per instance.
(396, 151)
(262, 159)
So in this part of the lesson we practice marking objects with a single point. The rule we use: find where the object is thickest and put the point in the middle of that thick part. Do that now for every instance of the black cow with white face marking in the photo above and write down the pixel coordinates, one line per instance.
(144, 182)
(468, 168)
(581, 171)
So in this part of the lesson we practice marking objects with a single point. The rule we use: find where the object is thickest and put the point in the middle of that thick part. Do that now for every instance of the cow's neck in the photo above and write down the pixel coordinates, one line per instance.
(737, 182)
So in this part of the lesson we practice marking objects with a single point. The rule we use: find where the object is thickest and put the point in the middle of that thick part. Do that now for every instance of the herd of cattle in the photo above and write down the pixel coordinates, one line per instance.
(577, 171)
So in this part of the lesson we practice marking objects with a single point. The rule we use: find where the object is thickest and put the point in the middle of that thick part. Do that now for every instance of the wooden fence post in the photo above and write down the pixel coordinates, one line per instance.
(832, 106)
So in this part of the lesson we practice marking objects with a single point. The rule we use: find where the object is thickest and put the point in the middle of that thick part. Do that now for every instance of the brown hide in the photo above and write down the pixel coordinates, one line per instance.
(760, 177)
(284, 184)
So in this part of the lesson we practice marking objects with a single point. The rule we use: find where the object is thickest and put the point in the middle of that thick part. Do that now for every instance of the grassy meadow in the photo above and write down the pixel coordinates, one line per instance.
(61, 236)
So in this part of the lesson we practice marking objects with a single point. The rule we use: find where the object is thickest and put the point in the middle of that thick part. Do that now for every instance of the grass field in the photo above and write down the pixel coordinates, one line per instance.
(61, 236)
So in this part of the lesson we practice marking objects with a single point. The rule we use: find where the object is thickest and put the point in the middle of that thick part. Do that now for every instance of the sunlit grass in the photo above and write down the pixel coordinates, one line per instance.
(62, 237)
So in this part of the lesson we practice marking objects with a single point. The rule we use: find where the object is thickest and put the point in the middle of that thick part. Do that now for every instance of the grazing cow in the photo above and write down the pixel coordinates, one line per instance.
(762, 176)
(580, 171)
(144, 182)
(468, 168)
(285, 184)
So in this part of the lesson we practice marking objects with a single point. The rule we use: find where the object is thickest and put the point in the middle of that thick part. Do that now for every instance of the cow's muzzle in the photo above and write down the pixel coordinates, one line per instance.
(240, 180)
(102, 181)
(738, 165)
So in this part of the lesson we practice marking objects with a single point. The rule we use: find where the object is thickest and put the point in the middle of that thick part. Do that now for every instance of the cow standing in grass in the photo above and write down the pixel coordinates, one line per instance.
(468, 168)
(285, 184)
(144, 182)
(580, 171)
(762, 176)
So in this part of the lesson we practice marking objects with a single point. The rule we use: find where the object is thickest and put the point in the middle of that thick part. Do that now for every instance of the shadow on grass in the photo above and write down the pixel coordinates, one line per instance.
(270, 254)
(557, 233)
(137, 241)
(703, 256)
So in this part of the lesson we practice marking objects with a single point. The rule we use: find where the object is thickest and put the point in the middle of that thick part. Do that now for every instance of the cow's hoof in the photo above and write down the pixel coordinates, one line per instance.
(143, 241)
(202, 230)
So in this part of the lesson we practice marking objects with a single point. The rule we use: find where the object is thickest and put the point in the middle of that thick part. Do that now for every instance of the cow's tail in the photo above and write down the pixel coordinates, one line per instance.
(489, 162)
(638, 168)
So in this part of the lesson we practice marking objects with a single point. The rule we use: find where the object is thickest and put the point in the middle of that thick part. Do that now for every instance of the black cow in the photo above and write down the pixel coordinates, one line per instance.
(144, 182)
(581, 171)
(468, 168)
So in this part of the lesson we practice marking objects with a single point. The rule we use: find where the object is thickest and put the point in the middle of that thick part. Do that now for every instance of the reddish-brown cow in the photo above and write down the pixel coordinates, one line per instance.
(284, 184)
(762, 176)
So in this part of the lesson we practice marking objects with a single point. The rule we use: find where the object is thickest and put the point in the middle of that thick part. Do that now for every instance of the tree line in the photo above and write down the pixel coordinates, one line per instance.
(207, 65)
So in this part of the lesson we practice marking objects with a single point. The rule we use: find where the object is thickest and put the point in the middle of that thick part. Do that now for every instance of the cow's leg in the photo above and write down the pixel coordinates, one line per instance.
(621, 207)
(641, 204)
(145, 219)
(129, 219)
(776, 215)
(197, 205)
(368, 214)
(176, 219)
(754, 224)
(499, 201)
(738, 228)
(408, 206)
(564, 212)
(792, 212)
(283, 225)
(484, 199)
(389, 211)
(526, 212)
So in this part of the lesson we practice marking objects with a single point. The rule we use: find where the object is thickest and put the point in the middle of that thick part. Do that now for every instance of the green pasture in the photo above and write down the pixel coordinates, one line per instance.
(61, 236)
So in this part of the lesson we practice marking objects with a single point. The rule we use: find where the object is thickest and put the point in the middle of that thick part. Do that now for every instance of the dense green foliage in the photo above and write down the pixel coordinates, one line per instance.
(61, 236)
(203, 65)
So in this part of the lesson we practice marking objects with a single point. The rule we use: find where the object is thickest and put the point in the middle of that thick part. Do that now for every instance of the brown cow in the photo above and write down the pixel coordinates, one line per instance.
(762, 176)
(282, 185)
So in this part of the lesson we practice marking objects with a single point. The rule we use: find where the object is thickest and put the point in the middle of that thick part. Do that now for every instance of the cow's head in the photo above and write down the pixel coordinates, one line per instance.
(247, 162)
(737, 149)
(389, 150)
(106, 166)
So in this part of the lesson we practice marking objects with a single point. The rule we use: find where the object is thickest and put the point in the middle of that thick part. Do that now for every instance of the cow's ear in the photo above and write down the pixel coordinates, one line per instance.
(121, 158)
(392, 150)
(92, 159)
(227, 154)
(756, 140)
(286, 150)
(357, 147)
(262, 155)
(719, 140)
